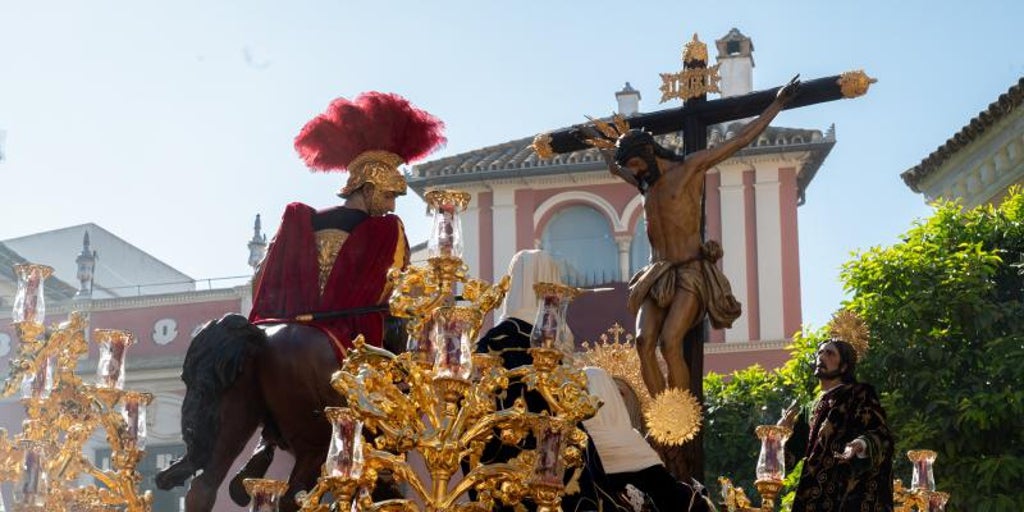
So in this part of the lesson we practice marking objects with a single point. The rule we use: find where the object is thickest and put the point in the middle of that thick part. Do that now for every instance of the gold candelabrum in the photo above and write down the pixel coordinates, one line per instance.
(46, 460)
(770, 472)
(439, 400)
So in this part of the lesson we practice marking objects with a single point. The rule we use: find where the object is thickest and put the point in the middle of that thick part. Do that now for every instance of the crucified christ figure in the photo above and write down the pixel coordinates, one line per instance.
(672, 293)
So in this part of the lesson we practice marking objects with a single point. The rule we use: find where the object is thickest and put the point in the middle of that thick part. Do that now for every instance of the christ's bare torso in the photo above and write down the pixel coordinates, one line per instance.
(672, 208)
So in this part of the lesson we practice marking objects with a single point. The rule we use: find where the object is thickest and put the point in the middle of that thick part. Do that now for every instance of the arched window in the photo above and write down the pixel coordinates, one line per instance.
(580, 238)
(640, 248)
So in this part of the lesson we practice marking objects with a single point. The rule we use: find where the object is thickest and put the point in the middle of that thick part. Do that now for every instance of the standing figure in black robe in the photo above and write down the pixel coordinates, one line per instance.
(848, 463)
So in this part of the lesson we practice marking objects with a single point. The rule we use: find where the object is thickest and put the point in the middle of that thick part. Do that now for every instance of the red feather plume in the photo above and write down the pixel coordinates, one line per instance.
(374, 121)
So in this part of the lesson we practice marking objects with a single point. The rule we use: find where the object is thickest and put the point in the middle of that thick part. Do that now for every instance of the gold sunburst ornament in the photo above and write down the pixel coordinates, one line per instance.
(851, 328)
(674, 417)
(617, 355)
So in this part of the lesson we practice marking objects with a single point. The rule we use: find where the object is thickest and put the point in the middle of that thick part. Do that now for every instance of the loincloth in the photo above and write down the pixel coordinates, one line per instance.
(661, 280)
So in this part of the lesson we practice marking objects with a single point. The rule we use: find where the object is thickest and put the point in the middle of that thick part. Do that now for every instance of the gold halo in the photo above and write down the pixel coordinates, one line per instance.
(851, 328)
(674, 417)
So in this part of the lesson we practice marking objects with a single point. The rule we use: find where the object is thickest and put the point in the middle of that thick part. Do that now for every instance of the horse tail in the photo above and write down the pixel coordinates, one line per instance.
(213, 362)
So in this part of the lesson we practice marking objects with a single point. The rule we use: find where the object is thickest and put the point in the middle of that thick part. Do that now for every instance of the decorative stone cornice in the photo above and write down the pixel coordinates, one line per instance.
(996, 111)
(144, 301)
(736, 347)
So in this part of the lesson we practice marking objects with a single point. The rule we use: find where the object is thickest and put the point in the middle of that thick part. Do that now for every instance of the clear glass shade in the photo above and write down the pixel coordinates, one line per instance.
(112, 344)
(133, 412)
(771, 462)
(345, 454)
(550, 468)
(39, 384)
(923, 477)
(549, 327)
(446, 233)
(30, 301)
(452, 337)
(31, 490)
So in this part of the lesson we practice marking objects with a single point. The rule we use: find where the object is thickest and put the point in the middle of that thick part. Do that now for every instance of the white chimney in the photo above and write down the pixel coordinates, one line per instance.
(735, 64)
(629, 100)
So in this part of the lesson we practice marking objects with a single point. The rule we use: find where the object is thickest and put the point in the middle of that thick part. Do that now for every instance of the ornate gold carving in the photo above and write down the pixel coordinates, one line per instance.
(328, 244)
(619, 358)
(769, 490)
(689, 83)
(780, 431)
(696, 79)
(438, 198)
(60, 424)
(542, 146)
(851, 328)
(674, 417)
(561, 290)
(919, 455)
(735, 498)
(855, 83)
(695, 50)
(377, 167)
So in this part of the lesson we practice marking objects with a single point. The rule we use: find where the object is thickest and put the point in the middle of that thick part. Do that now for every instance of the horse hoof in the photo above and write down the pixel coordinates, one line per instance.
(174, 476)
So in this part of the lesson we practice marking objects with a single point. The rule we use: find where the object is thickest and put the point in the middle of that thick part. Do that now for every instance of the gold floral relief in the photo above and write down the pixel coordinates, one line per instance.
(328, 244)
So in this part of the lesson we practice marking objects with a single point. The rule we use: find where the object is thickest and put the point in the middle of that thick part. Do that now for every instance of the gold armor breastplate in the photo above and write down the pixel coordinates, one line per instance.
(328, 243)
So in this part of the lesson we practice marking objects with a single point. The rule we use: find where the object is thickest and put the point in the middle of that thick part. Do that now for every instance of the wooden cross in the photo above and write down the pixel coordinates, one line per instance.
(694, 118)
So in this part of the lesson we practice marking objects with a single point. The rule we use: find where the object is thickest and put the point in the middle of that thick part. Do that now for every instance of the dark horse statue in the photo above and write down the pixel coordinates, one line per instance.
(239, 376)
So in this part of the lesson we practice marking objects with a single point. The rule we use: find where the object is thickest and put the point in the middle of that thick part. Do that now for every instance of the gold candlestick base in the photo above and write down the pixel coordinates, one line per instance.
(545, 359)
(769, 490)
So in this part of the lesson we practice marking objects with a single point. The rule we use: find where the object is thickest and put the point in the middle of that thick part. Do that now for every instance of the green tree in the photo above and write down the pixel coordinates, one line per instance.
(737, 403)
(946, 312)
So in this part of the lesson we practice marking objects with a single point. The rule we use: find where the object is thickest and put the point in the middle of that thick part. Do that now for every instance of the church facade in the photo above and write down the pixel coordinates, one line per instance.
(593, 223)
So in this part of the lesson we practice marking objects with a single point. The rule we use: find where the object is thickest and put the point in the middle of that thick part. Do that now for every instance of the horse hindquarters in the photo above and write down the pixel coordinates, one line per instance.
(295, 378)
(240, 414)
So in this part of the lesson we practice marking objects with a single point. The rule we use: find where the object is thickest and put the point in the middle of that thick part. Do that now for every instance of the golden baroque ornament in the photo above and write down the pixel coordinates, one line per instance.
(674, 417)
(855, 83)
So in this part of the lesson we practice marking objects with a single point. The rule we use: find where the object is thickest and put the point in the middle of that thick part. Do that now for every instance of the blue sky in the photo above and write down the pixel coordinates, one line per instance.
(170, 123)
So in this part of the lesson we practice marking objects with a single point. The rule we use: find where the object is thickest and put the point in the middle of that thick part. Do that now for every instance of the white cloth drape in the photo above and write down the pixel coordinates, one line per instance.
(621, 447)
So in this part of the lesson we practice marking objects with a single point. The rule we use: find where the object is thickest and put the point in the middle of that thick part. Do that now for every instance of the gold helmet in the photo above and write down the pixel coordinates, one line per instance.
(377, 167)
(370, 137)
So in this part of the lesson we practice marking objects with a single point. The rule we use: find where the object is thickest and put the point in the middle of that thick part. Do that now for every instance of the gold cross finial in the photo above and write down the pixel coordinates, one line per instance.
(695, 50)
(691, 82)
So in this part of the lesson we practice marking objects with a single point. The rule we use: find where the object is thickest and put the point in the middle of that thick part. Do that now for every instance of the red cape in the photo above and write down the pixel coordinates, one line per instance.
(287, 285)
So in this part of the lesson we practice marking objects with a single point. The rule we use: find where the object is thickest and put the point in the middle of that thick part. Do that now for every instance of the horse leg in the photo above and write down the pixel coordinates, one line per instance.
(240, 414)
(303, 477)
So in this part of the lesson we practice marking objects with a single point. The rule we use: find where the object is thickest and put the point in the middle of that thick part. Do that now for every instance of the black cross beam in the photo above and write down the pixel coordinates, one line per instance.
(697, 114)
(694, 118)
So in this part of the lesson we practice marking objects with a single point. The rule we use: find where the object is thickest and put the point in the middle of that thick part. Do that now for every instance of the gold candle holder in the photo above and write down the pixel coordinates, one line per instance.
(265, 493)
